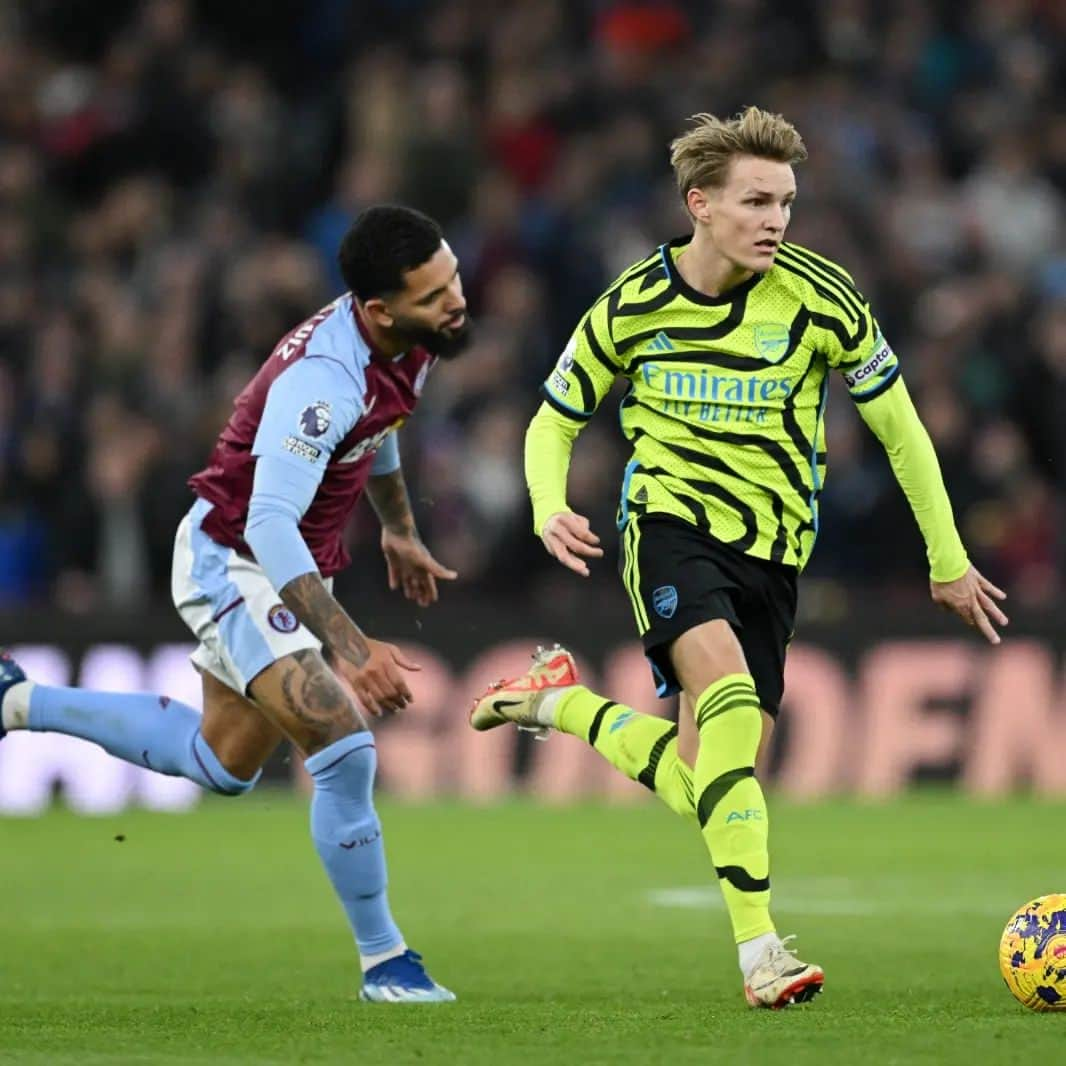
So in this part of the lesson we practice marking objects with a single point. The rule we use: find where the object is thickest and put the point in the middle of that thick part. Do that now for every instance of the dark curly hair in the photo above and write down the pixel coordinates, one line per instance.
(383, 243)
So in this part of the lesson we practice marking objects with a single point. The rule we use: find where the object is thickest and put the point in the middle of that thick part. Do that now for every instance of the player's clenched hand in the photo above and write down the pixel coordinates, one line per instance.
(973, 598)
(379, 683)
(412, 568)
(569, 539)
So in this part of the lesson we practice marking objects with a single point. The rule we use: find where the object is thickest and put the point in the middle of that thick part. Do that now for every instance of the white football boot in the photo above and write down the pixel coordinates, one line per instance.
(778, 979)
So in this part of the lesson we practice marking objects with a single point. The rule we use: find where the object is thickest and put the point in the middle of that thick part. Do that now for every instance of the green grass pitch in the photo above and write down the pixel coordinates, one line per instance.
(582, 935)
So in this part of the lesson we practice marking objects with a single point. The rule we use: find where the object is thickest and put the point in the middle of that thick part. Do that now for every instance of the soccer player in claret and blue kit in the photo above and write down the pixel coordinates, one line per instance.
(254, 559)
(726, 337)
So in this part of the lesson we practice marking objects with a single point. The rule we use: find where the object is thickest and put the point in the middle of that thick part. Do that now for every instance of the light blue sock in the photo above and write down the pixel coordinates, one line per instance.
(347, 836)
(147, 730)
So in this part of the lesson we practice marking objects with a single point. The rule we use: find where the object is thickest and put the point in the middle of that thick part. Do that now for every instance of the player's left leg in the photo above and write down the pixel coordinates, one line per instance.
(257, 646)
(303, 696)
(729, 685)
(709, 662)
(688, 737)
(221, 750)
(549, 696)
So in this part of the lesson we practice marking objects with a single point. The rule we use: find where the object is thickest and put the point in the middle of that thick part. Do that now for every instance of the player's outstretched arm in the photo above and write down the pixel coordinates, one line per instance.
(567, 536)
(955, 583)
(411, 567)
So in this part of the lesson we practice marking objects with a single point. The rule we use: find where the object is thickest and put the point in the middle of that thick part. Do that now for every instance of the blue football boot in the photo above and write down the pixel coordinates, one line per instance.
(402, 979)
(10, 674)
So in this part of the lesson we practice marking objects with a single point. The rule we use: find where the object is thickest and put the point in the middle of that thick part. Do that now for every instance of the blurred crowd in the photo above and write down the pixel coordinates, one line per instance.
(175, 178)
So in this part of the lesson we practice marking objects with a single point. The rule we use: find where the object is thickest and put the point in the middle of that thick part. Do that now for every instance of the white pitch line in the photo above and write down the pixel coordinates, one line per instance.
(830, 897)
(710, 898)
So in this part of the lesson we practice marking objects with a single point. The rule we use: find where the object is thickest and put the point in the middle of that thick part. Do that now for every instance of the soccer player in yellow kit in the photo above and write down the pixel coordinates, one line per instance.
(727, 338)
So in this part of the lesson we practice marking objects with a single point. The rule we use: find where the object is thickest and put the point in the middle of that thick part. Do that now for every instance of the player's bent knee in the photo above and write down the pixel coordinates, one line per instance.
(324, 735)
(214, 776)
(741, 716)
(237, 787)
(303, 695)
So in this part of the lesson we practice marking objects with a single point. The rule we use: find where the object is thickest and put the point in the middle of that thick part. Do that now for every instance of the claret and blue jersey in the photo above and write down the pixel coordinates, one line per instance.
(306, 433)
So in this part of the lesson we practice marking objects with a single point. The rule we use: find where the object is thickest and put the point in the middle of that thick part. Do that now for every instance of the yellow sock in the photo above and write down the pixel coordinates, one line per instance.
(731, 807)
(642, 746)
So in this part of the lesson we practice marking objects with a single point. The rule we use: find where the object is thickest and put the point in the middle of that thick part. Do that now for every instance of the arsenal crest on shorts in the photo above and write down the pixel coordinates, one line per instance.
(664, 600)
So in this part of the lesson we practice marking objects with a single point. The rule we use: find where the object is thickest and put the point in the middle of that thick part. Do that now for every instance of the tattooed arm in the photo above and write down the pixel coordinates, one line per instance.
(411, 567)
(392, 505)
(372, 668)
(313, 604)
(297, 434)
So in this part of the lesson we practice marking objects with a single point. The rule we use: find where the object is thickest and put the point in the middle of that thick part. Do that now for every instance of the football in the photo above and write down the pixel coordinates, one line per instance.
(1032, 954)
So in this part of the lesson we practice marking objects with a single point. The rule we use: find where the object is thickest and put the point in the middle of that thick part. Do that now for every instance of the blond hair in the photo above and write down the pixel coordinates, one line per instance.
(701, 156)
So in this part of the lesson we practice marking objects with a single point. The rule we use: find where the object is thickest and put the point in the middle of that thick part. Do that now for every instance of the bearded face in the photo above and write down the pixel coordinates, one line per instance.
(447, 342)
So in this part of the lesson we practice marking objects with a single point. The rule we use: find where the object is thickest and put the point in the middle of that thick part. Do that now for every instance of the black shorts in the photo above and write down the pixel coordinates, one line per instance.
(678, 577)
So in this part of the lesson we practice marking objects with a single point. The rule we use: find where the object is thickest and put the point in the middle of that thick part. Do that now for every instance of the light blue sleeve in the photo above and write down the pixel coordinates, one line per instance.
(309, 410)
(387, 459)
(281, 494)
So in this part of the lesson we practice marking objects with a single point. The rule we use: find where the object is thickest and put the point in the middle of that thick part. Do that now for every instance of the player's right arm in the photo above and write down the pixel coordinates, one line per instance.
(853, 344)
(309, 410)
(574, 389)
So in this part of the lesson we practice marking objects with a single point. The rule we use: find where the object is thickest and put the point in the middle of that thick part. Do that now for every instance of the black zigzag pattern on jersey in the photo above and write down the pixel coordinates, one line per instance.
(648, 265)
(596, 348)
(633, 308)
(806, 526)
(613, 298)
(710, 461)
(610, 297)
(789, 419)
(820, 287)
(719, 330)
(645, 266)
(652, 277)
(796, 329)
(847, 292)
(696, 508)
(828, 267)
(706, 461)
(756, 440)
(848, 341)
(803, 445)
(699, 509)
(588, 391)
(777, 549)
(639, 270)
(802, 260)
(743, 364)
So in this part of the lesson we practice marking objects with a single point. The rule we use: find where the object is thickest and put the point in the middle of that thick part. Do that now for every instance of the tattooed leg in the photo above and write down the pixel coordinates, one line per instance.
(303, 696)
